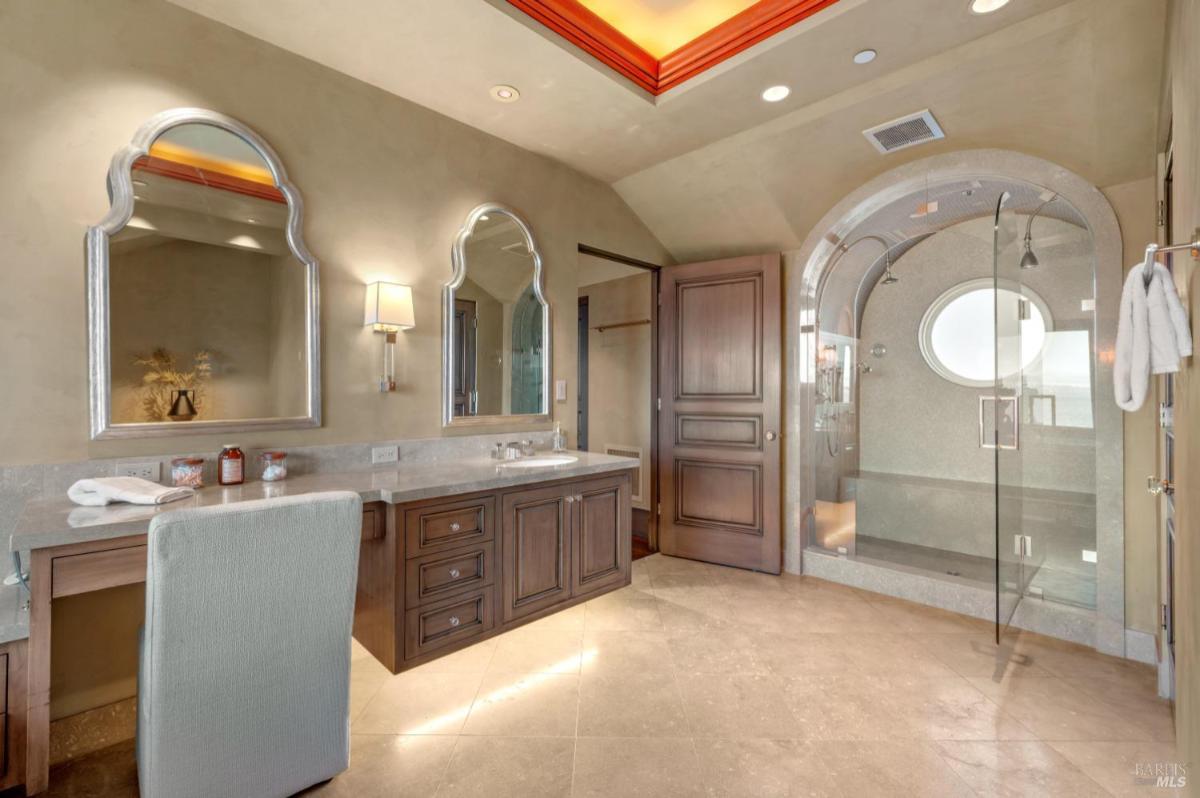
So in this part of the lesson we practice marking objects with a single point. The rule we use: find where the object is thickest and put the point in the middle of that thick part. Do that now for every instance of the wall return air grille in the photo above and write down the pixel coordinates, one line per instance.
(635, 452)
(907, 131)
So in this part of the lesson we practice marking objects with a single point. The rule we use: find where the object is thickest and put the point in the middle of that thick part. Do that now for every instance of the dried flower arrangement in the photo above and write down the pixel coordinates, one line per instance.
(162, 377)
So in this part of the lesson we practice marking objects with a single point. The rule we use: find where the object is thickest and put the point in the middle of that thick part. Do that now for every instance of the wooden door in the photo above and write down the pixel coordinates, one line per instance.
(466, 332)
(720, 372)
(536, 544)
(600, 533)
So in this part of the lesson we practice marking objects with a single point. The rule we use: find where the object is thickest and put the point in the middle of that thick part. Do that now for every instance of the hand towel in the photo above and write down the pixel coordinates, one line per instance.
(1152, 334)
(106, 490)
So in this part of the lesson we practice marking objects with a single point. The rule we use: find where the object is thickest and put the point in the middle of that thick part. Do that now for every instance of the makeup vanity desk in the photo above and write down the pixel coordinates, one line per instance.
(452, 553)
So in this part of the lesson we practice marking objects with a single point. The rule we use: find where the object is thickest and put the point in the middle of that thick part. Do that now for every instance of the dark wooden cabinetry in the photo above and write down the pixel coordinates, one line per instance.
(440, 574)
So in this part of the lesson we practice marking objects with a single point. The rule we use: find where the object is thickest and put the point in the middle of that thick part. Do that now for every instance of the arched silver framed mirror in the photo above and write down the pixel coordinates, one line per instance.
(495, 324)
(203, 301)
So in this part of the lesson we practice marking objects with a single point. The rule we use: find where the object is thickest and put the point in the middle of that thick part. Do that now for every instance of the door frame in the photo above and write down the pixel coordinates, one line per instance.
(655, 301)
(583, 404)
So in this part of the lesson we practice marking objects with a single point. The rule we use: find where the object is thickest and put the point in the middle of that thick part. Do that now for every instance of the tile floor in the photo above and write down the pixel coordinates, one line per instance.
(707, 681)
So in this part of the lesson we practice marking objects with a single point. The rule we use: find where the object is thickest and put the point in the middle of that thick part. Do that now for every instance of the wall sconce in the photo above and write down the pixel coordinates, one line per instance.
(389, 309)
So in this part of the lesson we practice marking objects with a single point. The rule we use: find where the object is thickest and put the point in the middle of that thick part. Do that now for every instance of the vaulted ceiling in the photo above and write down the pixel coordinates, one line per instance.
(709, 166)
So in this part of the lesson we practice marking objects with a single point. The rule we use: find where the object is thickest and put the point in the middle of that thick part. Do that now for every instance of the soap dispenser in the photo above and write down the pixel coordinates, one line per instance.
(559, 442)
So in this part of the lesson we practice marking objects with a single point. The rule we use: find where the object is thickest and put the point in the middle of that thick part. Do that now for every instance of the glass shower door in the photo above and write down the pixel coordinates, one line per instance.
(1000, 415)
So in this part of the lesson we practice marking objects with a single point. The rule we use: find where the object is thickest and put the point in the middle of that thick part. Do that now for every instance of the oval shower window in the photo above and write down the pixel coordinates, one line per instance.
(958, 331)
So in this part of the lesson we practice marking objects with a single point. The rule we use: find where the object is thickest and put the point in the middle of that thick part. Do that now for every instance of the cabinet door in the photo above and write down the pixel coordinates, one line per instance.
(536, 543)
(601, 535)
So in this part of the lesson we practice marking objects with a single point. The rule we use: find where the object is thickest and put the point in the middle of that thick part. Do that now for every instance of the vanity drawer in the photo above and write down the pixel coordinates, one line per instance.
(435, 576)
(429, 629)
(449, 525)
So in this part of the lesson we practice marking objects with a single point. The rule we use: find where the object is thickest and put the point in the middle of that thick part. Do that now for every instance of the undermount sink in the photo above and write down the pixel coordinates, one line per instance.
(541, 461)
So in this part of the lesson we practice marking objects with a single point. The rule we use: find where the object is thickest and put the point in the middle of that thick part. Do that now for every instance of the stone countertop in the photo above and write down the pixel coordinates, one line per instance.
(58, 521)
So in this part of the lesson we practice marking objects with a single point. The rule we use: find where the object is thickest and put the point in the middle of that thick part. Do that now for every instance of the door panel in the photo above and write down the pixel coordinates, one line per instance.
(602, 535)
(721, 384)
(465, 344)
(536, 548)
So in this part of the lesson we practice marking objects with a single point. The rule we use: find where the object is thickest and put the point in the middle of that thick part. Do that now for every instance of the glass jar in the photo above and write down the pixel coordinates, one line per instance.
(274, 466)
(187, 472)
(231, 465)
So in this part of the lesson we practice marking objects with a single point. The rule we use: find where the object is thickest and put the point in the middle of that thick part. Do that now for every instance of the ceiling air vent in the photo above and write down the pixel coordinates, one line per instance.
(907, 131)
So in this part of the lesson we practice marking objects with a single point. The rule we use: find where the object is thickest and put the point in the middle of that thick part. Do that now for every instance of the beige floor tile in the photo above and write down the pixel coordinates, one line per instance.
(850, 707)
(510, 767)
(420, 703)
(367, 675)
(735, 706)
(1073, 661)
(538, 651)
(763, 769)
(1017, 769)
(625, 705)
(1128, 770)
(715, 651)
(390, 766)
(947, 709)
(689, 616)
(632, 653)
(886, 769)
(1135, 700)
(665, 767)
(977, 655)
(1054, 710)
(615, 612)
(525, 705)
(800, 654)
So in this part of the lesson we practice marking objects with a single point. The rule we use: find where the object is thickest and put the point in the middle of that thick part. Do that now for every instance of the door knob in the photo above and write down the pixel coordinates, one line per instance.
(455, 573)
(771, 435)
(1157, 487)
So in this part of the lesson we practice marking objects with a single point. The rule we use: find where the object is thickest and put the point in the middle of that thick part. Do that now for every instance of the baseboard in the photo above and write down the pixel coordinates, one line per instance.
(78, 735)
(1141, 647)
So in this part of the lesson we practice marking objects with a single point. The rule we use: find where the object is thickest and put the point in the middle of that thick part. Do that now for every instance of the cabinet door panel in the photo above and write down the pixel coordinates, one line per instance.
(536, 544)
(601, 539)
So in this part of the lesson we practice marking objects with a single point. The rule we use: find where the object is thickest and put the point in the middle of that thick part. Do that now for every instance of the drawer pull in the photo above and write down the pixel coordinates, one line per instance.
(454, 621)
(455, 573)
(455, 527)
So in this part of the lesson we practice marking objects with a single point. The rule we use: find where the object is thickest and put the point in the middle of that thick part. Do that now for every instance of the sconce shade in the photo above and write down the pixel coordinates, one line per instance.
(389, 307)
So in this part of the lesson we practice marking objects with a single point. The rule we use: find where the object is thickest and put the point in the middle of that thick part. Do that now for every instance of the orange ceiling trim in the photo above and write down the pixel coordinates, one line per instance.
(584, 28)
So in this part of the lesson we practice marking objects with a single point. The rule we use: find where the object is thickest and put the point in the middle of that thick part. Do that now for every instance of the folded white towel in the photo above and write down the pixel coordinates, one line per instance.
(1152, 334)
(106, 490)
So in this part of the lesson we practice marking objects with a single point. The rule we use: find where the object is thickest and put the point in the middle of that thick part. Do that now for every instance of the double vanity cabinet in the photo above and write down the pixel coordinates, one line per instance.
(440, 574)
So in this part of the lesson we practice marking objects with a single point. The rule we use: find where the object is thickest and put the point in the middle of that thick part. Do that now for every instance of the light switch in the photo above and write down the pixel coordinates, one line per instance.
(560, 390)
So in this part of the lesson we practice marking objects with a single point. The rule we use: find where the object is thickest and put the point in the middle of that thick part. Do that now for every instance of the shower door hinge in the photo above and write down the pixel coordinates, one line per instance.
(1166, 615)
(658, 404)
(1161, 217)
(1166, 415)
(1022, 545)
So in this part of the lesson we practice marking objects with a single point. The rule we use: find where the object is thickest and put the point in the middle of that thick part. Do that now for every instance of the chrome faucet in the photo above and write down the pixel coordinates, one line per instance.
(512, 450)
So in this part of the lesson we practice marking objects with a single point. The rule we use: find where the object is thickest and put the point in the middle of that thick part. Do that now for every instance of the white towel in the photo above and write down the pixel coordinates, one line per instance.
(106, 490)
(1152, 334)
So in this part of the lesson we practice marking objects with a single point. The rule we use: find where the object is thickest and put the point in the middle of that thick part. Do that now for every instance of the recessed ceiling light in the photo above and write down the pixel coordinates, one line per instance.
(504, 94)
(776, 93)
(865, 56)
(987, 6)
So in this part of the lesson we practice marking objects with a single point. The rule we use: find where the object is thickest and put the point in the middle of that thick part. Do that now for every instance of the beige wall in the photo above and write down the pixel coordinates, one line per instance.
(386, 185)
(619, 370)
(1183, 72)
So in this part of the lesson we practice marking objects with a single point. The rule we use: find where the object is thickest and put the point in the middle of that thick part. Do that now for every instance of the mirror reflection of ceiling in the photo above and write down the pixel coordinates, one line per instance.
(662, 26)
(498, 260)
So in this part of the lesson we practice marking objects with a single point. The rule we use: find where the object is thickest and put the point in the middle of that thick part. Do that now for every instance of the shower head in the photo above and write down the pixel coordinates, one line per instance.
(889, 278)
(1029, 260)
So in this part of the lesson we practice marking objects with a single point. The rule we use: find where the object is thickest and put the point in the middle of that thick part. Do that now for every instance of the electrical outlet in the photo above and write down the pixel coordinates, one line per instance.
(381, 455)
(151, 470)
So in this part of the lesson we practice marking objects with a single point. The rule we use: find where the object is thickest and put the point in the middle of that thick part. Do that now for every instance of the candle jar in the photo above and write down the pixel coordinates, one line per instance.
(231, 465)
(187, 472)
(274, 466)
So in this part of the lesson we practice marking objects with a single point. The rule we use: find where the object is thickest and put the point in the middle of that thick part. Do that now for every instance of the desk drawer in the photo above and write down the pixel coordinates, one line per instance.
(436, 576)
(440, 527)
(96, 570)
(429, 629)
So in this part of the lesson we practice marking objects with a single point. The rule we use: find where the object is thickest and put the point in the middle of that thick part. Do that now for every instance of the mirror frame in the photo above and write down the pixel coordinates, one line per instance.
(120, 190)
(458, 261)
